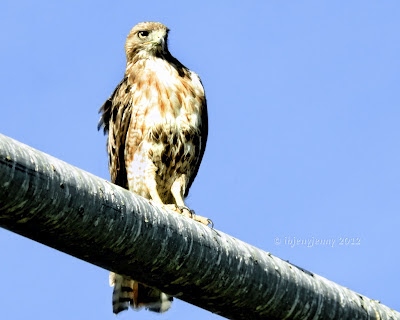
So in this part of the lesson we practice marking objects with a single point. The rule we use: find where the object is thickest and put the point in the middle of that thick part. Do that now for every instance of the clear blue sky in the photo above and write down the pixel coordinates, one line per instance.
(304, 111)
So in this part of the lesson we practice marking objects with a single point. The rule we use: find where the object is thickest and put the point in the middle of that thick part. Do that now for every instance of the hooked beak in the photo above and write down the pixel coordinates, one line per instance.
(158, 41)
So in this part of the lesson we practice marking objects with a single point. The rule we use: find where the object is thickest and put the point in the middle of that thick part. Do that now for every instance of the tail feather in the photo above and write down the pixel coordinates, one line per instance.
(130, 293)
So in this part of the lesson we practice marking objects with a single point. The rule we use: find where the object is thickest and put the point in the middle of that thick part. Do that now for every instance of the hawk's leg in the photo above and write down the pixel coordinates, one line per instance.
(150, 182)
(178, 190)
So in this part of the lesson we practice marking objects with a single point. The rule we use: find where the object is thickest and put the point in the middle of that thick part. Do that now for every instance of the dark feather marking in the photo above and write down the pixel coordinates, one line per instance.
(126, 289)
(122, 299)
(121, 308)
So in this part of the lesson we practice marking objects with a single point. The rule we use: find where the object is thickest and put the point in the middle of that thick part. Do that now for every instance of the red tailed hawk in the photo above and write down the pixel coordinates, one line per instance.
(156, 121)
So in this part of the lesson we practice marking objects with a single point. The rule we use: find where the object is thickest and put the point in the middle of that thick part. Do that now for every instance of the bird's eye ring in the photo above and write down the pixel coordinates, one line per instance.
(143, 34)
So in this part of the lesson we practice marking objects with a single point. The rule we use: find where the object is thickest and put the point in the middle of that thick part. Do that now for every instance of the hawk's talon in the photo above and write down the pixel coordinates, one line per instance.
(193, 216)
(184, 207)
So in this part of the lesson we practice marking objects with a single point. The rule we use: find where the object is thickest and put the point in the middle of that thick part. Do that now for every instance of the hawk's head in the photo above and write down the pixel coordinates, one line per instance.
(146, 38)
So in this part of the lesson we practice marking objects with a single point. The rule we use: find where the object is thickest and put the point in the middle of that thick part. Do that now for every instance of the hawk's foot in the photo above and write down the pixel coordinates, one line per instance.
(186, 212)
(177, 209)
(197, 218)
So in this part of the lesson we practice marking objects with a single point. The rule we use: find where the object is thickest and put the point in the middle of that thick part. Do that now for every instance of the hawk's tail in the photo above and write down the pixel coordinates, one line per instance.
(130, 293)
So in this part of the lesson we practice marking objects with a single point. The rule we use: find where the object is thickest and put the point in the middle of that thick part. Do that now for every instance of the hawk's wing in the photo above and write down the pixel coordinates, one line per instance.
(115, 118)
(203, 142)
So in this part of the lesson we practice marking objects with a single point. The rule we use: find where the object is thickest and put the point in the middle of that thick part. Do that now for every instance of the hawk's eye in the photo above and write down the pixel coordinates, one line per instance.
(143, 34)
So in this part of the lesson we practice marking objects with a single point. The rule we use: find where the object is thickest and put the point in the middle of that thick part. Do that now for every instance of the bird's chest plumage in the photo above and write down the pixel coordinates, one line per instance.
(165, 124)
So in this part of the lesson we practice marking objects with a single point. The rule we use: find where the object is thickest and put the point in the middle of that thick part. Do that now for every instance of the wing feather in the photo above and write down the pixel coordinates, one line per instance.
(115, 118)
(203, 142)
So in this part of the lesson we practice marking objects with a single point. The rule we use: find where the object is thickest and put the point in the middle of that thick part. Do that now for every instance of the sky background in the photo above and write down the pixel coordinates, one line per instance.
(304, 111)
